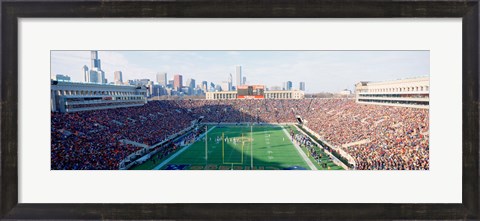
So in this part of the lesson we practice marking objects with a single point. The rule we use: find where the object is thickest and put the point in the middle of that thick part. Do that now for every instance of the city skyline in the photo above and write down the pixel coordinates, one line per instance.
(323, 71)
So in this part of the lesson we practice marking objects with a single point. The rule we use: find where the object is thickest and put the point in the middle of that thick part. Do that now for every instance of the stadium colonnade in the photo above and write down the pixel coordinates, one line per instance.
(228, 95)
(72, 96)
(410, 92)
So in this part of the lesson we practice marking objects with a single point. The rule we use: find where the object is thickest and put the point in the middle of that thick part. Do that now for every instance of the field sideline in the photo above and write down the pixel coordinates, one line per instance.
(268, 147)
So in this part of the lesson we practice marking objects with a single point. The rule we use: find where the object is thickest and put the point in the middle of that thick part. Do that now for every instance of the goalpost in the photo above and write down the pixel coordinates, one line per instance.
(206, 146)
(251, 146)
(223, 152)
(243, 139)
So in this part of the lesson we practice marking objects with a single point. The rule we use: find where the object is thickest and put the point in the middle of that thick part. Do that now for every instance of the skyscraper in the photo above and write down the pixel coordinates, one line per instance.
(94, 78)
(86, 74)
(96, 73)
(244, 81)
(190, 83)
(162, 79)
(177, 81)
(238, 75)
(289, 85)
(117, 78)
(212, 86)
(302, 86)
(204, 86)
(95, 61)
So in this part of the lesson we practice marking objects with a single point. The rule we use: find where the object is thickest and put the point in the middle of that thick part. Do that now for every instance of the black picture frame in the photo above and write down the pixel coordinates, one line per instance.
(12, 10)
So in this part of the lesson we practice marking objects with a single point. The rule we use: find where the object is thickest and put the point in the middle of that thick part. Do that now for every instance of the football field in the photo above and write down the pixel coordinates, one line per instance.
(267, 147)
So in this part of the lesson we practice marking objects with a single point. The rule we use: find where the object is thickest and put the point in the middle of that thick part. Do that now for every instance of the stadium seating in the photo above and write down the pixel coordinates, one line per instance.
(377, 137)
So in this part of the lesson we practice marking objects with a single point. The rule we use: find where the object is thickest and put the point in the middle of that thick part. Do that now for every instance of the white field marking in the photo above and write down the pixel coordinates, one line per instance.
(270, 157)
(176, 154)
(300, 151)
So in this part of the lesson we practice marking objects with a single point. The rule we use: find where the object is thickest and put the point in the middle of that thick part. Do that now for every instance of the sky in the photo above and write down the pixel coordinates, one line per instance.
(322, 71)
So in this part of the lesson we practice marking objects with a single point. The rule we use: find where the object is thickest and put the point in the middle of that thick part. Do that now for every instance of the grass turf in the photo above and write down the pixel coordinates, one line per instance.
(272, 150)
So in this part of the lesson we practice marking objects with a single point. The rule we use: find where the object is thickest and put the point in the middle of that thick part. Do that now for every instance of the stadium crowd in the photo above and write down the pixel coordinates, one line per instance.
(377, 137)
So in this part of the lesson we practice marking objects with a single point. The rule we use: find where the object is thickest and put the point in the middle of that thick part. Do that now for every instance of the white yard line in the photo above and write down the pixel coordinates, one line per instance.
(177, 153)
(300, 151)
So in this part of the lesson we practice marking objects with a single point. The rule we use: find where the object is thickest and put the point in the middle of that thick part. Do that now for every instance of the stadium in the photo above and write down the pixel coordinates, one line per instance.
(384, 127)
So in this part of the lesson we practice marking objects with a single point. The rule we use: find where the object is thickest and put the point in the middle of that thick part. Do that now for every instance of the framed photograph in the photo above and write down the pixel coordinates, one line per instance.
(240, 110)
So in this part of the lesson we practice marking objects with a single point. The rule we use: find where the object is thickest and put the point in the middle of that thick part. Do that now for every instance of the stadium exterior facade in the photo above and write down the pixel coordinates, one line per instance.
(73, 97)
(411, 92)
(228, 95)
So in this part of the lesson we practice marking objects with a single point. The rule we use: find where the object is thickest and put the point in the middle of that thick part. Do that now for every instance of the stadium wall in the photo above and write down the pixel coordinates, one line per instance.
(229, 95)
(74, 97)
(411, 92)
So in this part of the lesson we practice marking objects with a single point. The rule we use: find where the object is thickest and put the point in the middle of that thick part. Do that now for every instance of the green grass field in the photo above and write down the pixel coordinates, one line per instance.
(237, 147)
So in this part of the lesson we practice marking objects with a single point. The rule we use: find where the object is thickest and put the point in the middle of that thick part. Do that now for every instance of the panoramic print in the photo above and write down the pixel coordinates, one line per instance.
(239, 110)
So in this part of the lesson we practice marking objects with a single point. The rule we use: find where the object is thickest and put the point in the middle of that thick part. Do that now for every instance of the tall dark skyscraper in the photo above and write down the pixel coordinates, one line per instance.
(289, 85)
(190, 83)
(95, 61)
(302, 86)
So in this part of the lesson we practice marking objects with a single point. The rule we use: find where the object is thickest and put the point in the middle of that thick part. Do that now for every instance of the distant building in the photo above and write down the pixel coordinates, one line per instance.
(244, 80)
(186, 90)
(204, 86)
(117, 78)
(86, 74)
(190, 83)
(177, 82)
(301, 86)
(212, 86)
(162, 79)
(170, 84)
(96, 75)
(289, 86)
(61, 77)
(157, 90)
(410, 92)
(139, 82)
(238, 75)
(149, 88)
(345, 92)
